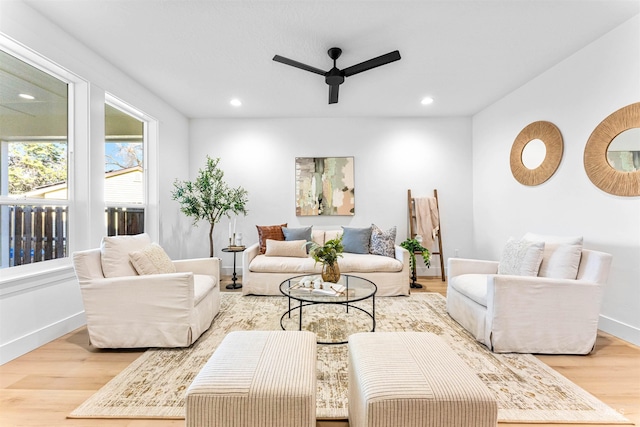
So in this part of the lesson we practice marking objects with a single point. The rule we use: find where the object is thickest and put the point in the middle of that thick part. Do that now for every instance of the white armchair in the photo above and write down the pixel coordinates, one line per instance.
(520, 314)
(152, 310)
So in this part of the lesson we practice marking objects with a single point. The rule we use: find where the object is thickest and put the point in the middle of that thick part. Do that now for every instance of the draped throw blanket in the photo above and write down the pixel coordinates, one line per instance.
(427, 220)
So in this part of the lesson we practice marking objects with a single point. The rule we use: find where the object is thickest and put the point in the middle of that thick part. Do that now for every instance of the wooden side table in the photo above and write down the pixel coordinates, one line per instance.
(234, 250)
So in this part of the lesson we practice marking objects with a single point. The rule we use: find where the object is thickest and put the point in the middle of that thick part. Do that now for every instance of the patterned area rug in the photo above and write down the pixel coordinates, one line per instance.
(527, 390)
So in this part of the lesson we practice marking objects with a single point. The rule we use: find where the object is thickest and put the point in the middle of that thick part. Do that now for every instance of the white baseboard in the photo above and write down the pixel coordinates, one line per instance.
(27, 343)
(620, 330)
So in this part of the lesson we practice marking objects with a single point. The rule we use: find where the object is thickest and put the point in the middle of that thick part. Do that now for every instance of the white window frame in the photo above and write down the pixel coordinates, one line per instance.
(85, 150)
(150, 163)
(77, 133)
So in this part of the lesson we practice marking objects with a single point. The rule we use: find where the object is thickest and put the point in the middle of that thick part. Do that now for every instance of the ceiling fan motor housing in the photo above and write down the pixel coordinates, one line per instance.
(335, 77)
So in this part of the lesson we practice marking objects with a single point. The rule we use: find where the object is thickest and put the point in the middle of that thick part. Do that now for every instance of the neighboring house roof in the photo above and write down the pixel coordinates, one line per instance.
(121, 186)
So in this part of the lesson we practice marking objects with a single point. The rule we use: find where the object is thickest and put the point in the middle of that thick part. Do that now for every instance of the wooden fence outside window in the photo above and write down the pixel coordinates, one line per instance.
(39, 233)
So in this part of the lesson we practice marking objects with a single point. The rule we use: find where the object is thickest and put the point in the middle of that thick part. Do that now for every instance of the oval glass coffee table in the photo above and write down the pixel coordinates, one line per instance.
(342, 316)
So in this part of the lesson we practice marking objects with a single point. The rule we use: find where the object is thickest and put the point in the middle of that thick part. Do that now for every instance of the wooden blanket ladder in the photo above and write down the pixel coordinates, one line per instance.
(412, 231)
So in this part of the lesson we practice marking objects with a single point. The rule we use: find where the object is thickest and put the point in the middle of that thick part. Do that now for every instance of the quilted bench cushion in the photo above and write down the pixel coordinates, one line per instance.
(413, 379)
(256, 379)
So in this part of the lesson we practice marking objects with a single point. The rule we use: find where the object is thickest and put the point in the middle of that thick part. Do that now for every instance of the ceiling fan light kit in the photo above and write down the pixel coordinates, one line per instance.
(335, 76)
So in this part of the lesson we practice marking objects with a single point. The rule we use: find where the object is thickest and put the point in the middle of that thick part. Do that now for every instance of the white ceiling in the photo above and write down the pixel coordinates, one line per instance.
(198, 54)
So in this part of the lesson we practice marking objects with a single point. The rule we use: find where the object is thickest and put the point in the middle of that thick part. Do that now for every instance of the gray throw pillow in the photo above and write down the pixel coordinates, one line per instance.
(303, 233)
(356, 240)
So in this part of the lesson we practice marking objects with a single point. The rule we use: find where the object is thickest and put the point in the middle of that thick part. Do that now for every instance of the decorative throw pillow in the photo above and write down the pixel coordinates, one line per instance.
(115, 254)
(356, 240)
(273, 232)
(561, 257)
(560, 261)
(521, 257)
(291, 248)
(152, 260)
(383, 242)
(303, 233)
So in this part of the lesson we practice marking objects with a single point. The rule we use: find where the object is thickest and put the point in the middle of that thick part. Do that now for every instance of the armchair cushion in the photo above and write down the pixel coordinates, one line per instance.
(561, 257)
(202, 286)
(473, 286)
(152, 260)
(560, 261)
(521, 257)
(115, 254)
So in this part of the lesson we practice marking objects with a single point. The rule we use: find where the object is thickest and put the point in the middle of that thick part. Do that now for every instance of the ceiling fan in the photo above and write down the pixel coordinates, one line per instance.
(335, 77)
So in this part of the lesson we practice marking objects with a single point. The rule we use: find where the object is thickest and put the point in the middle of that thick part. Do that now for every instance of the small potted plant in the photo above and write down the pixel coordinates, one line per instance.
(415, 247)
(328, 255)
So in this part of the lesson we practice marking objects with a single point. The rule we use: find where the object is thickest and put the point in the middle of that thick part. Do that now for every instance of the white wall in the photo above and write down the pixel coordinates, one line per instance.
(390, 157)
(42, 306)
(575, 95)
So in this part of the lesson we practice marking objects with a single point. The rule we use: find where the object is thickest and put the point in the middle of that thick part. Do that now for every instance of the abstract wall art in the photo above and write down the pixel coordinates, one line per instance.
(324, 186)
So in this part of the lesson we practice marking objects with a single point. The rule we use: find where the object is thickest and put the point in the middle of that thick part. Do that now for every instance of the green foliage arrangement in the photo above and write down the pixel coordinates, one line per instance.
(328, 253)
(413, 246)
(36, 164)
(209, 197)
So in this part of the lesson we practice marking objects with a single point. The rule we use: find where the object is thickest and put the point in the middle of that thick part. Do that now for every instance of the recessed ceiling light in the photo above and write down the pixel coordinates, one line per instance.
(26, 96)
(426, 100)
(235, 102)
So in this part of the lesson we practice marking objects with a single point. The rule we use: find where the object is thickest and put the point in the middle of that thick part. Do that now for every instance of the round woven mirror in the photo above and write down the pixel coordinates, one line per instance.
(533, 133)
(599, 169)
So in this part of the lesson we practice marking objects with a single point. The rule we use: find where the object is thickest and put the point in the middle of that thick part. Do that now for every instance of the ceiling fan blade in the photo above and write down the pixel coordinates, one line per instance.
(333, 94)
(372, 63)
(297, 64)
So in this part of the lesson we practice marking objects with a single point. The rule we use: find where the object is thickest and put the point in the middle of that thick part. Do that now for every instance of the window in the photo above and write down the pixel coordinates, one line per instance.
(125, 178)
(34, 123)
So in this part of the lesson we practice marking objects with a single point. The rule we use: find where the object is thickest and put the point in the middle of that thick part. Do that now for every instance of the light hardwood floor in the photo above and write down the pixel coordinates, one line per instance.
(42, 387)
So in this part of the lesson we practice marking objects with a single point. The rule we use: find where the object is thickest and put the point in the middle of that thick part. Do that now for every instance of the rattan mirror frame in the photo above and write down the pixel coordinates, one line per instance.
(598, 169)
(550, 135)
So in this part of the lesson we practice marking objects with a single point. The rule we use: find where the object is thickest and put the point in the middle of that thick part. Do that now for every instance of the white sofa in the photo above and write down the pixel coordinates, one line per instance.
(127, 310)
(529, 314)
(262, 275)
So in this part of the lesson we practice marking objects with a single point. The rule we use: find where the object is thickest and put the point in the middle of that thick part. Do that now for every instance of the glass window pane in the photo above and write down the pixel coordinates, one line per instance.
(33, 131)
(34, 123)
(124, 158)
(34, 233)
(124, 184)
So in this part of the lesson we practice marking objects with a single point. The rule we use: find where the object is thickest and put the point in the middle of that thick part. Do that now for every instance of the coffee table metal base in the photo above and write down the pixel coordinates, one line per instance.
(347, 305)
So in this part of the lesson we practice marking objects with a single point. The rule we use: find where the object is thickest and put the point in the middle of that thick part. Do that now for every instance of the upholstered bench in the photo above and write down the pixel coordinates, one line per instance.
(256, 379)
(413, 379)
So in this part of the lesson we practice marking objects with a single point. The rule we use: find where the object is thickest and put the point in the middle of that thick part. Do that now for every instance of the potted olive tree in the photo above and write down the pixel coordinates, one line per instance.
(209, 197)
